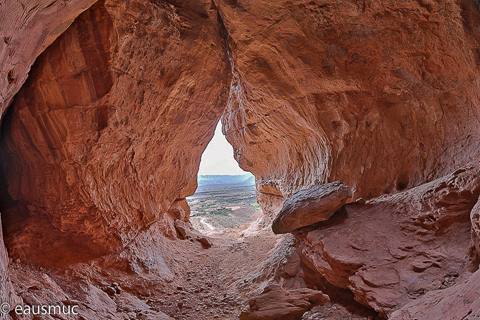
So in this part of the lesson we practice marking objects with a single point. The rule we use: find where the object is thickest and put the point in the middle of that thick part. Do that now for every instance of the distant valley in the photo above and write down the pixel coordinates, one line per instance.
(222, 202)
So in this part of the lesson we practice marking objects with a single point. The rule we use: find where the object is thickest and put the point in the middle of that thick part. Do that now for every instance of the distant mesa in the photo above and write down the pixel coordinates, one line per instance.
(222, 181)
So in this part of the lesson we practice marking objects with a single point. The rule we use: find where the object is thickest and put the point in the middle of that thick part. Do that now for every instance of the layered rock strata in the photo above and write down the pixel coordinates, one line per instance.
(27, 28)
(108, 131)
(103, 141)
(316, 96)
(394, 249)
(460, 301)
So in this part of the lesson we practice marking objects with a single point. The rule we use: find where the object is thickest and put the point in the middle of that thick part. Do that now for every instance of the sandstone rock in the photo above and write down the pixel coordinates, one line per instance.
(276, 303)
(365, 94)
(270, 205)
(180, 210)
(3, 264)
(283, 266)
(129, 303)
(475, 219)
(107, 134)
(333, 311)
(6, 289)
(310, 206)
(36, 287)
(460, 301)
(396, 248)
(28, 27)
(186, 231)
(109, 128)
(146, 254)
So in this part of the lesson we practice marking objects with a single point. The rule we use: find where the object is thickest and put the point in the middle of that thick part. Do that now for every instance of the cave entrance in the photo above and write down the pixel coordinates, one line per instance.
(225, 202)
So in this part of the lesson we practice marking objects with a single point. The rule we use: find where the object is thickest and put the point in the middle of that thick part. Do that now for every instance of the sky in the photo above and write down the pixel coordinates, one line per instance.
(217, 159)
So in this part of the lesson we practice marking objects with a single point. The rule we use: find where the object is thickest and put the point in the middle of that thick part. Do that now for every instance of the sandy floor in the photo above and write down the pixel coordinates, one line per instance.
(215, 286)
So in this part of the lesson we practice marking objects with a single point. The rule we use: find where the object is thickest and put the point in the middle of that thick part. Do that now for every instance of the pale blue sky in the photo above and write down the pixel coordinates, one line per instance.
(217, 159)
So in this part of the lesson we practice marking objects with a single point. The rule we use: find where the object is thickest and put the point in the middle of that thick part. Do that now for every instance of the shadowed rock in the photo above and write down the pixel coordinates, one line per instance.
(311, 205)
(186, 231)
(401, 252)
(475, 219)
(84, 78)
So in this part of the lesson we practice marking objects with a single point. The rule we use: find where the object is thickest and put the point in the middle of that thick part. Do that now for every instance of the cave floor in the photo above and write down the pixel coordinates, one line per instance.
(212, 283)
(217, 282)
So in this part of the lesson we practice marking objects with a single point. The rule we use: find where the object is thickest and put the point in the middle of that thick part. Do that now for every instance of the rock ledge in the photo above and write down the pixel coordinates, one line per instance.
(310, 206)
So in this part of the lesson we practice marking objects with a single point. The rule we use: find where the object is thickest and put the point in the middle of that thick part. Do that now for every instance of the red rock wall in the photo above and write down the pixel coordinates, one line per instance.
(382, 95)
(27, 28)
(5, 285)
(396, 248)
(109, 129)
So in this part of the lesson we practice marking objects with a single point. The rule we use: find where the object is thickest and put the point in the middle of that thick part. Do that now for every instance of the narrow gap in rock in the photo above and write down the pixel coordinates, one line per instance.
(224, 203)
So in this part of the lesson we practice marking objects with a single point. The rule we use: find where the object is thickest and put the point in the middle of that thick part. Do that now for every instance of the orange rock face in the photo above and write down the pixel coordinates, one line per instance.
(310, 206)
(109, 129)
(382, 95)
(102, 143)
(457, 302)
(276, 303)
(396, 248)
(27, 28)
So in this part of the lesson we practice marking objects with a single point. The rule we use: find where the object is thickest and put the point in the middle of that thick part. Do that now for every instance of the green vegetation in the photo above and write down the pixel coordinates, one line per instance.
(226, 207)
(223, 212)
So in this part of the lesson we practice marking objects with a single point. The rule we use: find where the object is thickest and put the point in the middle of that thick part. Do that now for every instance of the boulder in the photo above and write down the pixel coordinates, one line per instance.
(310, 206)
(186, 231)
(179, 210)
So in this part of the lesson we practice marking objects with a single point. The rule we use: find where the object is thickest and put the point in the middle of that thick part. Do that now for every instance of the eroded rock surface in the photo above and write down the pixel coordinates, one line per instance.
(6, 292)
(460, 301)
(27, 27)
(382, 95)
(311, 205)
(103, 143)
(277, 303)
(396, 248)
(109, 129)
(186, 231)
(180, 210)
(475, 219)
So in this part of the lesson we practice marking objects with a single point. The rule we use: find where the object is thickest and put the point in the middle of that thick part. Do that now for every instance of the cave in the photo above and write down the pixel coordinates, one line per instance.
(358, 119)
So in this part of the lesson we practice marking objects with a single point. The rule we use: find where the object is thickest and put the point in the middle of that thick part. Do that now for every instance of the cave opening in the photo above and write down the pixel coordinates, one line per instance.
(101, 146)
(224, 203)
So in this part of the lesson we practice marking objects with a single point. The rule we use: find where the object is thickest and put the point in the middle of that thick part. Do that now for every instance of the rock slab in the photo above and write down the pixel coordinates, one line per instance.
(310, 206)
(395, 249)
